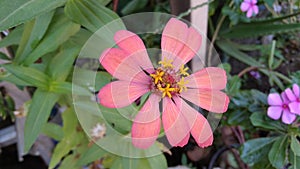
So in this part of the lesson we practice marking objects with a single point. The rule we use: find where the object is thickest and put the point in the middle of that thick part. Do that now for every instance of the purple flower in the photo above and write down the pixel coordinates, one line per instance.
(294, 97)
(279, 107)
(255, 74)
(249, 6)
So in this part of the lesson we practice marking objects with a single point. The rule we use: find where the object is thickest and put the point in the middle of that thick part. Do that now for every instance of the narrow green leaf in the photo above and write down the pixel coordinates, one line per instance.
(231, 50)
(67, 88)
(4, 57)
(32, 35)
(255, 150)
(29, 75)
(158, 161)
(277, 154)
(134, 6)
(13, 38)
(39, 111)
(15, 12)
(259, 29)
(295, 146)
(53, 130)
(129, 162)
(67, 55)
(260, 120)
(294, 160)
(60, 30)
(91, 14)
(93, 153)
(271, 57)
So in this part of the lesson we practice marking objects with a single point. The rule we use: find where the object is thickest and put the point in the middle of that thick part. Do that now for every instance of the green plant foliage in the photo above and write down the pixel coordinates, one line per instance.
(13, 13)
(255, 150)
(277, 154)
(39, 111)
(91, 14)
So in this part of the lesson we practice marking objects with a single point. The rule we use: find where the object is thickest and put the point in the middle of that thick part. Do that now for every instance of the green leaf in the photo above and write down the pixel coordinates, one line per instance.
(15, 12)
(259, 29)
(33, 33)
(13, 38)
(295, 146)
(53, 130)
(4, 57)
(67, 88)
(255, 150)
(60, 30)
(39, 111)
(231, 50)
(92, 154)
(70, 124)
(102, 78)
(158, 161)
(294, 160)
(234, 85)
(134, 6)
(130, 162)
(277, 154)
(271, 57)
(91, 14)
(260, 120)
(29, 75)
(67, 55)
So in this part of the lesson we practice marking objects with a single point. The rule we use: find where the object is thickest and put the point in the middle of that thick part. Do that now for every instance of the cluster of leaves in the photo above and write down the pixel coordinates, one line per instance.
(45, 40)
(269, 143)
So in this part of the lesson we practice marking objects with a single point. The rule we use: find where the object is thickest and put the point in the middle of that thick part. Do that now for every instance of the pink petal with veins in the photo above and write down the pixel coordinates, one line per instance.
(208, 78)
(146, 124)
(211, 100)
(175, 125)
(119, 94)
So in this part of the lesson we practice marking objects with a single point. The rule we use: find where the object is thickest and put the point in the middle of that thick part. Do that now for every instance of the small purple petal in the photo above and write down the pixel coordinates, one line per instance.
(274, 112)
(255, 9)
(245, 6)
(288, 117)
(296, 90)
(290, 94)
(254, 1)
(295, 107)
(274, 99)
(249, 13)
(285, 98)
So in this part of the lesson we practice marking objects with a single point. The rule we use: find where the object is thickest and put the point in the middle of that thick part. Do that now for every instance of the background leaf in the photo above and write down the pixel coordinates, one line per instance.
(278, 151)
(39, 111)
(15, 12)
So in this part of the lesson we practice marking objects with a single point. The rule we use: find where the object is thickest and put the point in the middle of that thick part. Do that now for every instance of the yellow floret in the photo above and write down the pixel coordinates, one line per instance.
(183, 71)
(166, 63)
(157, 76)
(167, 91)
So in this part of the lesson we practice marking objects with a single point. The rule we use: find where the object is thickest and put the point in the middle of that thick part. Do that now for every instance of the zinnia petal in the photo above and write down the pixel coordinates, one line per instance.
(274, 112)
(119, 94)
(175, 125)
(211, 100)
(295, 107)
(191, 45)
(122, 66)
(200, 128)
(274, 99)
(146, 125)
(208, 78)
(245, 6)
(133, 44)
(173, 39)
(288, 117)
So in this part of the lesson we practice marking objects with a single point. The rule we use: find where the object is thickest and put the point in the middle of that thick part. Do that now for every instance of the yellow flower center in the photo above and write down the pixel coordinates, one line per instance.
(167, 81)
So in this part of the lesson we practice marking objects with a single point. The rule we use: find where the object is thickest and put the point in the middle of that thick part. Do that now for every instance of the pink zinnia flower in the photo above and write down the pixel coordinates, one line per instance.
(279, 108)
(294, 97)
(249, 6)
(170, 82)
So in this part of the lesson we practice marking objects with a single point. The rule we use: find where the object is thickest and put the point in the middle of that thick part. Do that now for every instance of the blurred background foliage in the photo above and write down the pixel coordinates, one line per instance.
(42, 40)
